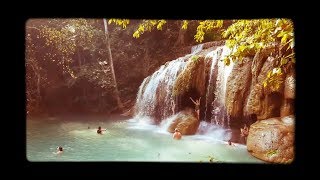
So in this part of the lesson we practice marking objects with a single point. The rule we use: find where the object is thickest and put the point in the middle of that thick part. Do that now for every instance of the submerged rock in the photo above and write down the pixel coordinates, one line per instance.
(272, 140)
(186, 122)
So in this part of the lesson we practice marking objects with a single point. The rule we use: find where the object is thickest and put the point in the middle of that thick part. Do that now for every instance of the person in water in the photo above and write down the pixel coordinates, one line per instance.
(59, 150)
(99, 131)
(230, 143)
(244, 132)
(197, 106)
(173, 106)
(177, 135)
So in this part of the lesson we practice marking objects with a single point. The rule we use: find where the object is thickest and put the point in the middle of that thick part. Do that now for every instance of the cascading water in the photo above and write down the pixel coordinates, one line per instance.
(214, 131)
(155, 93)
(155, 97)
(197, 48)
(209, 93)
(215, 110)
(218, 110)
(218, 114)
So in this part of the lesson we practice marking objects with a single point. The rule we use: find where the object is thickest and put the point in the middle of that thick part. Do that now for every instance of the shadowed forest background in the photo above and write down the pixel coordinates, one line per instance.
(69, 74)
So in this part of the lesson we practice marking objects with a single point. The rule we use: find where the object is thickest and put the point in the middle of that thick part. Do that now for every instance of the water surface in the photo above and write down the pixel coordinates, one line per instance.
(124, 140)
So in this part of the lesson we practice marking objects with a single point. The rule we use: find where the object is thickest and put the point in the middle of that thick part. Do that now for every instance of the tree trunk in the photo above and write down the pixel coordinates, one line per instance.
(38, 86)
(37, 74)
(116, 91)
(180, 40)
(146, 63)
(79, 59)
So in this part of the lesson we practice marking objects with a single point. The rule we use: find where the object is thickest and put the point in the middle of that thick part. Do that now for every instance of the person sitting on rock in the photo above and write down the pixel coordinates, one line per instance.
(99, 131)
(197, 106)
(177, 135)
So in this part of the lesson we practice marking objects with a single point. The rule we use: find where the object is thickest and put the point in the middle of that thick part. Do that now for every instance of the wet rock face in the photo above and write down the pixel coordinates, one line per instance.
(186, 122)
(289, 87)
(287, 107)
(264, 102)
(237, 86)
(242, 97)
(272, 140)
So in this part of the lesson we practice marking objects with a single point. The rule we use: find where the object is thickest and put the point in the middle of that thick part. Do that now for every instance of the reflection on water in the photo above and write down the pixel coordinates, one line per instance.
(132, 140)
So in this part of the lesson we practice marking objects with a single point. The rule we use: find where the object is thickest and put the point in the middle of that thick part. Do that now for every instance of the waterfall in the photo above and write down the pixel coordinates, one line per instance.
(214, 131)
(197, 48)
(218, 113)
(217, 86)
(155, 92)
(210, 87)
(155, 96)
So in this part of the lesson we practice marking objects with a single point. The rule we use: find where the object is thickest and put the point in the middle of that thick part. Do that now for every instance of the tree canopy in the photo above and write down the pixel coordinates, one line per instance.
(243, 37)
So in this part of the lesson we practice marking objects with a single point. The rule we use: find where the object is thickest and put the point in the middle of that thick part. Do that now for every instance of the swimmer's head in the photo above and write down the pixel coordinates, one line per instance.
(99, 127)
(59, 148)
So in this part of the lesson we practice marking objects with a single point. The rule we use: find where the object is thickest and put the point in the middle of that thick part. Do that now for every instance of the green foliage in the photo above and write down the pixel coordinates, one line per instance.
(272, 152)
(194, 57)
(149, 25)
(246, 37)
(65, 38)
(273, 79)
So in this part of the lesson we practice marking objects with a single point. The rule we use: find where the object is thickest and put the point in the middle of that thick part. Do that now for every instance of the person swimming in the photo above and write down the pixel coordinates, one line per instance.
(59, 151)
(230, 143)
(177, 135)
(99, 131)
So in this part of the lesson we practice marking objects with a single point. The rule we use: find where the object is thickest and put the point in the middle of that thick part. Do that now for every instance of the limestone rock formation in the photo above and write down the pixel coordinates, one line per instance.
(272, 140)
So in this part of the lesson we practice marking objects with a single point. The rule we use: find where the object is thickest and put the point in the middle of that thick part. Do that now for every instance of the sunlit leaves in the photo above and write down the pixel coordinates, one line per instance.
(195, 58)
(205, 26)
(160, 24)
(227, 61)
(184, 24)
(120, 22)
(148, 25)
(273, 79)
(246, 37)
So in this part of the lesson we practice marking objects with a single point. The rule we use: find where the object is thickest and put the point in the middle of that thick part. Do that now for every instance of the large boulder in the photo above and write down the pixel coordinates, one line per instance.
(272, 140)
(186, 122)
(238, 85)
